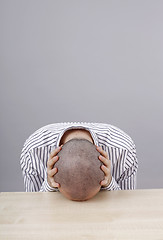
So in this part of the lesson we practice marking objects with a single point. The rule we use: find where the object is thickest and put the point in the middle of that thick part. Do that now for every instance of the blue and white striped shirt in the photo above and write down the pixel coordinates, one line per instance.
(119, 146)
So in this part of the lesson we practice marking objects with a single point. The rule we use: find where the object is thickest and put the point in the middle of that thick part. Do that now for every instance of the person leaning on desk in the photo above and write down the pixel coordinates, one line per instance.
(79, 159)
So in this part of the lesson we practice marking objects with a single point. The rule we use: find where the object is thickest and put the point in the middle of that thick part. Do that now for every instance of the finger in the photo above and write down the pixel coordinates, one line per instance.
(104, 160)
(104, 154)
(104, 182)
(54, 184)
(54, 153)
(51, 162)
(105, 170)
(52, 172)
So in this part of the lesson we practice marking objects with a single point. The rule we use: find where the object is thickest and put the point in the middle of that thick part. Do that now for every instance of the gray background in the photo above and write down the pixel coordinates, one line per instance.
(93, 61)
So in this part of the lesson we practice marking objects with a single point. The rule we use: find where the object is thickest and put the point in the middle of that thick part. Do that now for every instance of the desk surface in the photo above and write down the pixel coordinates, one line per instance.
(109, 215)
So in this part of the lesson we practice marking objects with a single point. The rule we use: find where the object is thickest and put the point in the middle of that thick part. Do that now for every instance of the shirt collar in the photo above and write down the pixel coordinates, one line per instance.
(93, 135)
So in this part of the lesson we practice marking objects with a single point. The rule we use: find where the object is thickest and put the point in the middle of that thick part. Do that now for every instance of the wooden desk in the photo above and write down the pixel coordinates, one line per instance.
(109, 215)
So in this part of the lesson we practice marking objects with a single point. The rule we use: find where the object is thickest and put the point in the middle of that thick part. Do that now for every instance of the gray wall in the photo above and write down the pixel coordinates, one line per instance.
(81, 60)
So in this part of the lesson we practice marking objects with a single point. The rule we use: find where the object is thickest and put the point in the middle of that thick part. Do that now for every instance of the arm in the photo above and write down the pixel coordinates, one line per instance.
(33, 180)
(128, 178)
(108, 183)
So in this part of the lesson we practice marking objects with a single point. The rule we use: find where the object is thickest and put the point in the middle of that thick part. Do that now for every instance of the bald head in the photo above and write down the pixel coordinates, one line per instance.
(79, 173)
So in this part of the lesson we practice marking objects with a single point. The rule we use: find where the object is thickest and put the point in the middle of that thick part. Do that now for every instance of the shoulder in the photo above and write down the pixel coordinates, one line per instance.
(114, 136)
(121, 137)
(43, 136)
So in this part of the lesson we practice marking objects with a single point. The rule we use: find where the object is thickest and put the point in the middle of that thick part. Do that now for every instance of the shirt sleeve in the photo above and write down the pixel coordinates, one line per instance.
(33, 181)
(128, 179)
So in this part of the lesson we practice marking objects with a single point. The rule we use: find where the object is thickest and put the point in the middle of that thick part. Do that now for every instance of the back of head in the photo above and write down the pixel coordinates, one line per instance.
(79, 173)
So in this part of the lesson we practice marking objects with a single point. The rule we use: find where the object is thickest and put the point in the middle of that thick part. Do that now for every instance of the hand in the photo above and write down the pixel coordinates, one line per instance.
(51, 171)
(106, 167)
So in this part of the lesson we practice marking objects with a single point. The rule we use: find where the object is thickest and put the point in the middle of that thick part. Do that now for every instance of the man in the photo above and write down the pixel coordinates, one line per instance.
(44, 148)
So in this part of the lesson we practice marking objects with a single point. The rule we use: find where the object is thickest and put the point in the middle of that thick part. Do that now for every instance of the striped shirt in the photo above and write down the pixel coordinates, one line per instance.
(119, 146)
